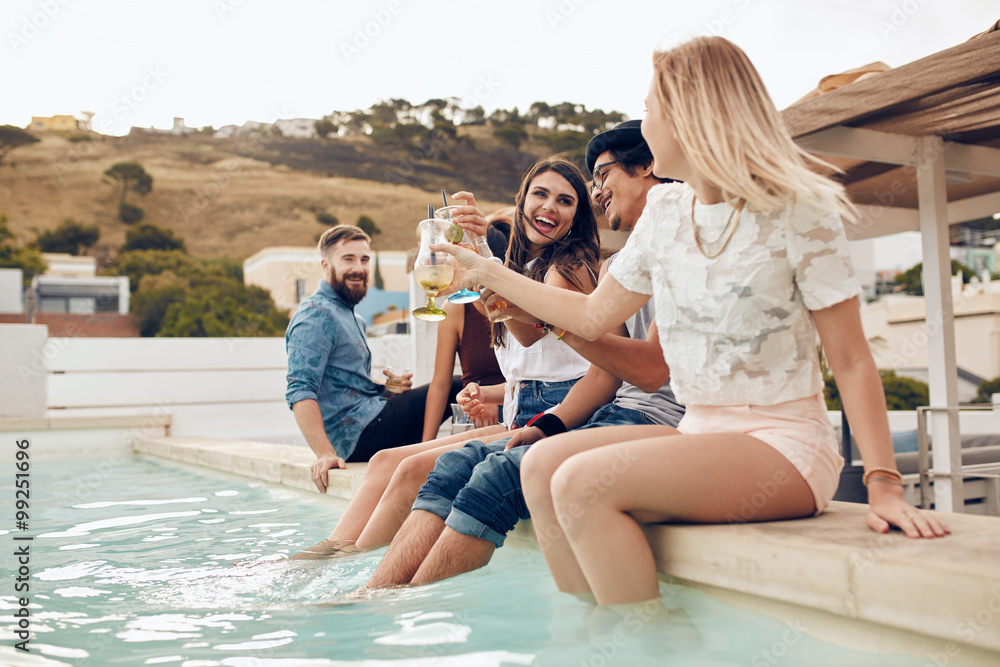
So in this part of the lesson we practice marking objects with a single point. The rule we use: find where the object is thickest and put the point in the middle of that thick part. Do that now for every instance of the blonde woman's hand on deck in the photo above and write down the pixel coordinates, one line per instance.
(887, 507)
(469, 217)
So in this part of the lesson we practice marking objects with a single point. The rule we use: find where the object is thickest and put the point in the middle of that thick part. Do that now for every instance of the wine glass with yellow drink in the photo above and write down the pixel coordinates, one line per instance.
(433, 270)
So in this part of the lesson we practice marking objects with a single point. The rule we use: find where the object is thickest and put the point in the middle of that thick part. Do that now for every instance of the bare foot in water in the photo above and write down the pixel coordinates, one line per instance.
(328, 549)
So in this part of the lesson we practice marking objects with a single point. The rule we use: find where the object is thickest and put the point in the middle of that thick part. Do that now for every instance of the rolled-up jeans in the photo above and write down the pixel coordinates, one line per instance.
(477, 489)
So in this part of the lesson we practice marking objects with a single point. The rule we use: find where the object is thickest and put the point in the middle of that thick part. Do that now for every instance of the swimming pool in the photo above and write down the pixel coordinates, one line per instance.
(138, 561)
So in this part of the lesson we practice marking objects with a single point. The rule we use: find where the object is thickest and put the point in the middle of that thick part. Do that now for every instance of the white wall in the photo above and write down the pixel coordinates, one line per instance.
(24, 353)
(11, 291)
(213, 387)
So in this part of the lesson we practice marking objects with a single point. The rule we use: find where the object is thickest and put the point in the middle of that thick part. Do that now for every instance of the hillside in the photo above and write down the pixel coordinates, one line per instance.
(233, 197)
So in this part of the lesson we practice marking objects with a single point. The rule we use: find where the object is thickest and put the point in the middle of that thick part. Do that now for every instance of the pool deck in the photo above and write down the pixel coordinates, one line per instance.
(938, 600)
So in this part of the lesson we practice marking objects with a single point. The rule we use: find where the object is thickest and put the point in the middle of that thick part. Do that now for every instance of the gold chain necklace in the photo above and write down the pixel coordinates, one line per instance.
(727, 231)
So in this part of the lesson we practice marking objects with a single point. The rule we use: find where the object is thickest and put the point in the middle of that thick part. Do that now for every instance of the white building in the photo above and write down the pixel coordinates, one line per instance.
(299, 128)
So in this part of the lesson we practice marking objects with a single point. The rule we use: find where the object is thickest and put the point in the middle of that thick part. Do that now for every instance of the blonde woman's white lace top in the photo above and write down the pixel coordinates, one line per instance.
(736, 329)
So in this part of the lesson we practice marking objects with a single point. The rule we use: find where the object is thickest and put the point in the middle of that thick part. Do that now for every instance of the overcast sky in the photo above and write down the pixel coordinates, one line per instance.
(215, 62)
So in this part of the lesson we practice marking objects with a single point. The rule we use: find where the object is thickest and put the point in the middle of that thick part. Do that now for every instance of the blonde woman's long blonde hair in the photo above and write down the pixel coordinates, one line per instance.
(732, 134)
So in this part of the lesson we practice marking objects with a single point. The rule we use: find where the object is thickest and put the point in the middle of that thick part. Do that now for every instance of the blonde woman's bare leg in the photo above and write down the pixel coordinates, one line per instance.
(705, 478)
(380, 470)
(411, 473)
(537, 469)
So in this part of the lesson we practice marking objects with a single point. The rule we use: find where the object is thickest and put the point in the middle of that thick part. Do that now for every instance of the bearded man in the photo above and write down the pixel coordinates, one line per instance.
(342, 413)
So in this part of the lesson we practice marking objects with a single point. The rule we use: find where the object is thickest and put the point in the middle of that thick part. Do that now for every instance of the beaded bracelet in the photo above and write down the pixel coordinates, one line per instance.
(544, 326)
(885, 478)
(882, 472)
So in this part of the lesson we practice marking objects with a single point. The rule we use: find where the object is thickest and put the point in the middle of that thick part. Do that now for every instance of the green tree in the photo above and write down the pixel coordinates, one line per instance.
(901, 393)
(132, 178)
(29, 260)
(379, 283)
(139, 263)
(475, 116)
(567, 141)
(511, 134)
(324, 127)
(70, 237)
(231, 310)
(130, 214)
(986, 390)
(175, 294)
(155, 295)
(327, 219)
(911, 281)
(151, 237)
(12, 137)
(368, 226)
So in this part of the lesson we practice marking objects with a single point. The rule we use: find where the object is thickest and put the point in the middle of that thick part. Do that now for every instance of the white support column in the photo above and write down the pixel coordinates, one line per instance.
(946, 443)
(423, 338)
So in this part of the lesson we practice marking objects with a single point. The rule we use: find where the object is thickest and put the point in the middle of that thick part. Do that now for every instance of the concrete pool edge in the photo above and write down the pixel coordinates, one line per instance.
(939, 598)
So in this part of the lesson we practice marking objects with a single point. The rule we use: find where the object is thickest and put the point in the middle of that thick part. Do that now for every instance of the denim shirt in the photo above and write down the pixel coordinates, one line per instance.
(329, 361)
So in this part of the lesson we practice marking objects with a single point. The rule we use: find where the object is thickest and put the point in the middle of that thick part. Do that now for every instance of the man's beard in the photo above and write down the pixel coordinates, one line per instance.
(351, 294)
(615, 221)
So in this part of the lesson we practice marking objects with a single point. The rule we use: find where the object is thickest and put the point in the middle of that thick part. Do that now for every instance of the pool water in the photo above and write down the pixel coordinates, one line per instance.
(146, 562)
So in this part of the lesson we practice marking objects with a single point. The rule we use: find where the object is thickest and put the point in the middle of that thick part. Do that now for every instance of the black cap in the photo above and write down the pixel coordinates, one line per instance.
(622, 136)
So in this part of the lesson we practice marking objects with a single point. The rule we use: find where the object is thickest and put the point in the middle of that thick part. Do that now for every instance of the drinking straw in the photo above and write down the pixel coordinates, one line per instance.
(430, 216)
(444, 197)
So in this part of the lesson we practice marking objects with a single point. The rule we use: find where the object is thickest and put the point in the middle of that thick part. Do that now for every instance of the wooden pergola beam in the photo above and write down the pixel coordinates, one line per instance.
(970, 61)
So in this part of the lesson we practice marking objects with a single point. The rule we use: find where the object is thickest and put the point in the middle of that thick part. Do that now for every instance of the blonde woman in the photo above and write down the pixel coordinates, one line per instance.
(747, 262)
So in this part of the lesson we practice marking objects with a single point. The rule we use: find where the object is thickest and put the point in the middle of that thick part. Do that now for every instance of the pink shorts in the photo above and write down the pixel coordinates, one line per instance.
(799, 430)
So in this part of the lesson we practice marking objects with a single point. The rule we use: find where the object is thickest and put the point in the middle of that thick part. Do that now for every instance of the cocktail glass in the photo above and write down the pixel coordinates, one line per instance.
(467, 240)
(434, 271)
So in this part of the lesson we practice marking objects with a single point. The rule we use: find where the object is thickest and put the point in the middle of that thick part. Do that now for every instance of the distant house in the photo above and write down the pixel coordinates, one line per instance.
(54, 124)
(69, 298)
(247, 128)
(71, 285)
(895, 326)
(300, 128)
(180, 128)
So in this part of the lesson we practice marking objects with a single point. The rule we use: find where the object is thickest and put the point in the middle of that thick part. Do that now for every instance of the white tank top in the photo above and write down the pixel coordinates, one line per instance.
(548, 360)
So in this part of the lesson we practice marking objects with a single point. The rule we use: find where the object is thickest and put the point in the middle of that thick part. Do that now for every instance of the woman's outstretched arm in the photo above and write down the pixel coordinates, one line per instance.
(587, 315)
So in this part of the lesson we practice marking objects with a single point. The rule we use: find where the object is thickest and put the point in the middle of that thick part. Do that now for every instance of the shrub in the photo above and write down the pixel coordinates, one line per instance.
(986, 390)
(130, 214)
(901, 393)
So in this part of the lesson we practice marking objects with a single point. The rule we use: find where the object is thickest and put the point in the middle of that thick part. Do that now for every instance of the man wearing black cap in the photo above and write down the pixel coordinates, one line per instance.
(473, 497)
